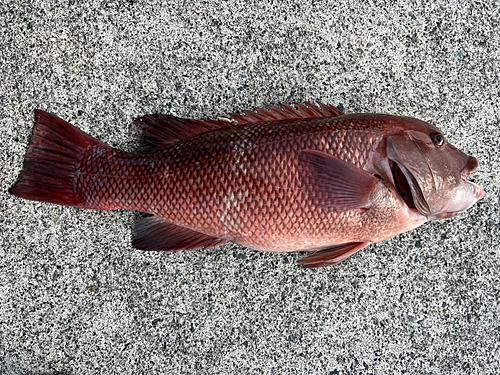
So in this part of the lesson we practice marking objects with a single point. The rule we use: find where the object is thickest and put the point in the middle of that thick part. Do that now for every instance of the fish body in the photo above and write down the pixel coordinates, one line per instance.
(285, 179)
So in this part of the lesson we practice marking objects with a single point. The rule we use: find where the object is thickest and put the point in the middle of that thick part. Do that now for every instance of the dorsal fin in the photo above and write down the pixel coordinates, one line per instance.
(160, 130)
(302, 111)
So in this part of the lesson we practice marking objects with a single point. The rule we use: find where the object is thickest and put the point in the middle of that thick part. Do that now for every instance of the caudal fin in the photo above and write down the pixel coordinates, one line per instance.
(51, 161)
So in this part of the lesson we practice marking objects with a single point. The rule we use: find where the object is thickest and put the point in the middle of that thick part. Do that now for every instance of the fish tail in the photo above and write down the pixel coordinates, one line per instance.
(51, 163)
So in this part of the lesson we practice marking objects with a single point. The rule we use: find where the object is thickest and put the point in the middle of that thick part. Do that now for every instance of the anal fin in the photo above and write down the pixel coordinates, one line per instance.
(332, 255)
(154, 233)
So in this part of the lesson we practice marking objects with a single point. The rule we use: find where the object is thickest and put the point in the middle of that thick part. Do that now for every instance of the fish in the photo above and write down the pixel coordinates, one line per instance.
(301, 177)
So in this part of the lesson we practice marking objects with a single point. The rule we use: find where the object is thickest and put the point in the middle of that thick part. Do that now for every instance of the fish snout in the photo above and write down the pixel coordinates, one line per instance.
(472, 164)
(477, 192)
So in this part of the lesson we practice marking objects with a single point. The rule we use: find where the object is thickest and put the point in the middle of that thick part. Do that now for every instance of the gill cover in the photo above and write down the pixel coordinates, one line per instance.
(435, 173)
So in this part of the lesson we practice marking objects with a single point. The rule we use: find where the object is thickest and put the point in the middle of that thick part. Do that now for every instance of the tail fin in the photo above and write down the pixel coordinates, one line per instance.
(51, 161)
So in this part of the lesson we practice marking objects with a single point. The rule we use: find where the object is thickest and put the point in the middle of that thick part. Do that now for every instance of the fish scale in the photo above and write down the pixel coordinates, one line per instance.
(256, 206)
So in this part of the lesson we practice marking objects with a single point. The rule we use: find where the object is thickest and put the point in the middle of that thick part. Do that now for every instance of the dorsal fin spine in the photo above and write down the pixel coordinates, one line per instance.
(160, 130)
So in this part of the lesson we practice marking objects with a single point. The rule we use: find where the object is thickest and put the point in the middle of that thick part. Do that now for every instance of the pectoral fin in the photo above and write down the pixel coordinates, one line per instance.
(335, 184)
(332, 255)
(154, 233)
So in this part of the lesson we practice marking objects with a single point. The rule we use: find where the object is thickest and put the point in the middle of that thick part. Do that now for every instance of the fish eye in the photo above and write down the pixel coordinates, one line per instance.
(438, 139)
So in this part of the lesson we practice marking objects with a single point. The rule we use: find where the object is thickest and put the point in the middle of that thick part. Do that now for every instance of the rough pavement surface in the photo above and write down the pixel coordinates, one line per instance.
(76, 298)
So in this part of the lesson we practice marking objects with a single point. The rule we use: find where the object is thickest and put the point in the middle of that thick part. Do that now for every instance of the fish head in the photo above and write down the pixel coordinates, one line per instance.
(435, 172)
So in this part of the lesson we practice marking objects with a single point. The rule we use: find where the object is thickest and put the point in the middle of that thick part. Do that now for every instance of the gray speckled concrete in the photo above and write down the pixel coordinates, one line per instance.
(75, 298)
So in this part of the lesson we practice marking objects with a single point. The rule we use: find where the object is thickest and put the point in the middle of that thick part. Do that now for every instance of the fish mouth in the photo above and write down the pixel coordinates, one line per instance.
(405, 182)
(408, 188)
(402, 185)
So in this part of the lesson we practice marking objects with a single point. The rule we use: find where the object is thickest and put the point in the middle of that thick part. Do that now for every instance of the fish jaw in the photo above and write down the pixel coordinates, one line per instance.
(463, 197)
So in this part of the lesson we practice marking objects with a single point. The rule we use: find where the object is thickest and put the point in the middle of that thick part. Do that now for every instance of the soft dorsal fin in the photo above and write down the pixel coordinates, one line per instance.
(302, 111)
(332, 255)
(154, 233)
(160, 130)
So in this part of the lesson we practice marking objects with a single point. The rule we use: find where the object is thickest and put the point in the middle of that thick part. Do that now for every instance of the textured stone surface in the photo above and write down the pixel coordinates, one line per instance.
(75, 298)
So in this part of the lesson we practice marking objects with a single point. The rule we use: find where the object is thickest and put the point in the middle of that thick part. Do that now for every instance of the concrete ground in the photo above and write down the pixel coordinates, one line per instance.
(76, 298)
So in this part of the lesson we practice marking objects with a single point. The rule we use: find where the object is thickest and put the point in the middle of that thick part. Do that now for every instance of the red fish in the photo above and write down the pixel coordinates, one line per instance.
(307, 178)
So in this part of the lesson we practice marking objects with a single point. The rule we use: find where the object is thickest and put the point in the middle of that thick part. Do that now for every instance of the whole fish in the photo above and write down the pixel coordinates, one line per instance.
(303, 178)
